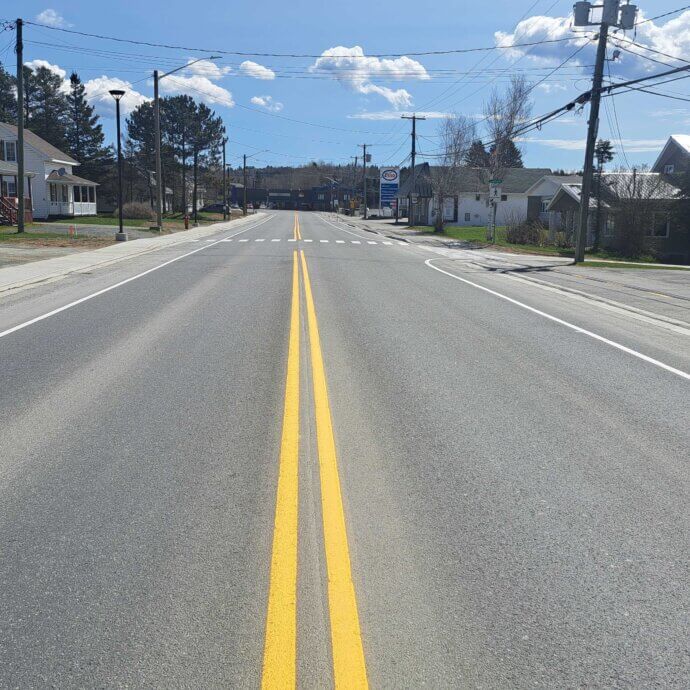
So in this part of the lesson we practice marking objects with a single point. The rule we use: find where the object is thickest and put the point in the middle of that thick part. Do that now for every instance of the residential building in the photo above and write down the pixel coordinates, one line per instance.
(540, 195)
(8, 187)
(651, 193)
(468, 204)
(675, 156)
(54, 190)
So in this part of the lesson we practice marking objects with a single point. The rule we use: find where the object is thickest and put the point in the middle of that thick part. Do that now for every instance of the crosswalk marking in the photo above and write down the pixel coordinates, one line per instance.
(260, 240)
(323, 240)
(275, 239)
(307, 240)
(340, 241)
(244, 240)
(355, 242)
(371, 242)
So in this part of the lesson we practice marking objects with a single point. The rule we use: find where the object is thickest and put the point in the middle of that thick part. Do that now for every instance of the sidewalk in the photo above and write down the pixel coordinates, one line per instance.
(24, 275)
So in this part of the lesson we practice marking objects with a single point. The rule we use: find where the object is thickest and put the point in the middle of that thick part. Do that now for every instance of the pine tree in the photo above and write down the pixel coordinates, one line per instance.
(8, 101)
(510, 154)
(178, 114)
(476, 156)
(85, 134)
(47, 107)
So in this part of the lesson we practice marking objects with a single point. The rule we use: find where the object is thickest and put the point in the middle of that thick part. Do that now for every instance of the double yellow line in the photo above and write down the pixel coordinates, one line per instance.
(280, 649)
(295, 230)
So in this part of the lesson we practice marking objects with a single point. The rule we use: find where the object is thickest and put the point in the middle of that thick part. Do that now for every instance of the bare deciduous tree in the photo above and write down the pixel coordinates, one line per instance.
(456, 134)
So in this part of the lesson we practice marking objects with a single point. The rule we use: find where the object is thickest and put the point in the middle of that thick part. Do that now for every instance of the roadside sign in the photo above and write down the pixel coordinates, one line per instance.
(494, 193)
(495, 182)
(389, 180)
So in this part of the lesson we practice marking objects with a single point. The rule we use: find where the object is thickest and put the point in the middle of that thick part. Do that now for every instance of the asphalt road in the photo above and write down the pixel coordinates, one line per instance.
(304, 451)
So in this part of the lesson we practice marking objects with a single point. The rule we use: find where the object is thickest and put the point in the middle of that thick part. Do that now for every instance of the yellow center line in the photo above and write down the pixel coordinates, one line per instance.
(280, 647)
(349, 667)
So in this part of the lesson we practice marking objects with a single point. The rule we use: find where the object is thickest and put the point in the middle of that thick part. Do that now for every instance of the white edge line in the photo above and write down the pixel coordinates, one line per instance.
(573, 327)
(325, 220)
(20, 326)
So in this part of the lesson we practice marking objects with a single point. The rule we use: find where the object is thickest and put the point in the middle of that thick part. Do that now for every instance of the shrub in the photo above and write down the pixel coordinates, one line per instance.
(137, 210)
(527, 233)
(561, 240)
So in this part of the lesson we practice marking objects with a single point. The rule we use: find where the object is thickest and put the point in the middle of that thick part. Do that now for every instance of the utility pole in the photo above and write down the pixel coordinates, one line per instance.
(244, 191)
(612, 15)
(364, 176)
(20, 126)
(225, 183)
(159, 167)
(413, 156)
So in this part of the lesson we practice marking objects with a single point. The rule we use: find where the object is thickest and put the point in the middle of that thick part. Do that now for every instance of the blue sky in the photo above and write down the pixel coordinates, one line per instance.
(271, 105)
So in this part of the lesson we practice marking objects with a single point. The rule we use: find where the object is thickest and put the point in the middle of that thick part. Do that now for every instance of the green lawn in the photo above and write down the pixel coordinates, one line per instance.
(478, 235)
(173, 220)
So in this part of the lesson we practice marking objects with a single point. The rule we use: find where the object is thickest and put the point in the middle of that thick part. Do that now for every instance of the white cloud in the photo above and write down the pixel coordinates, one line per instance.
(50, 17)
(201, 88)
(630, 145)
(354, 70)
(267, 102)
(35, 64)
(672, 38)
(208, 69)
(256, 71)
(97, 92)
(395, 115)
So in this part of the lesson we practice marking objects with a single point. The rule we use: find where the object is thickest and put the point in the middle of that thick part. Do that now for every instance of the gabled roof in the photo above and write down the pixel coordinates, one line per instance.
(681, 141)
(10, 168)
(556, 179)
(48, 150)
(472, 180)
(67, 178)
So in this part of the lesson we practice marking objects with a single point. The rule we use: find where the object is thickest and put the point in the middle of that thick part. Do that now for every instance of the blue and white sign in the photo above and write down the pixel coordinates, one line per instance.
(389, 184)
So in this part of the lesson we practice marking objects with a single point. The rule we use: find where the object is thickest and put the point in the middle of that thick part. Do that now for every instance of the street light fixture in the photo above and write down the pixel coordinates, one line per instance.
(117, 94)
(160, 191)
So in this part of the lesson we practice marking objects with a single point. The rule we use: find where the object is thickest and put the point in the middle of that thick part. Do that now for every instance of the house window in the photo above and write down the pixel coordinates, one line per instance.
(11, 186)
(660, 227)
(77, 194)
(610, 227)
(468, 217)
(92, 195)
(477, 197)
(668, 169)
(545, 205)
(11, 151)
(64, 193)
(504, 197)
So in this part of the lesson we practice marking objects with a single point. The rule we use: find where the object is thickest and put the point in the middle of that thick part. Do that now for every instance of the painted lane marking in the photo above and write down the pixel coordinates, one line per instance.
(355, 242)
(292, 239)
(245, 240)
(227, 239)
(323, 241)
(307, 240)
(371, 242)
(120, 284)
(349, 666)
(260, 240)
(567, 324)
(275, 239)
(387, 243)
(280, 645)
(340, 241)
(211, 240)
(333, 225)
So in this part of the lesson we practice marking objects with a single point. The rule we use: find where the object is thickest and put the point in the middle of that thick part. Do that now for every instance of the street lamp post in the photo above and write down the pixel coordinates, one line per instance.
(225, 183)
(117, 94)
(160, 191)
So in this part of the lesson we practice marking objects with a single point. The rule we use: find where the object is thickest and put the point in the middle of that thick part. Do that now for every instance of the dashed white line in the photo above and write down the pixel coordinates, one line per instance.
(371, 242)
(307, 240)
(260, 240)
(275, 239)
(340, 241)
(245, 240)
(387, 243)
(324, 241)
(355, 242)
(292, 239)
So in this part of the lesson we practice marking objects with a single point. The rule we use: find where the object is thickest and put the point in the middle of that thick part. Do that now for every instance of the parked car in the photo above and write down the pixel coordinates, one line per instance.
(213, 208)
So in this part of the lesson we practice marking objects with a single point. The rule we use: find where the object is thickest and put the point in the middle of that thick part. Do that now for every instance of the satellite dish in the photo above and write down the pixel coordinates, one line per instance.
(62, 171)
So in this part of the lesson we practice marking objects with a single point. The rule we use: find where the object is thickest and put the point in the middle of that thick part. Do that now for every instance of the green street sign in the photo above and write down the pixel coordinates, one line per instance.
(495, 181)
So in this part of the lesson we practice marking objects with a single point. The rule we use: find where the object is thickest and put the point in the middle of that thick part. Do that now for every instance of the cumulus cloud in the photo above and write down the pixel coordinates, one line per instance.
(35, 64)
(201, 88)
(253, 69)
(50, 17)
(97, 92)
(208, 69)
(267, 102)
(395, 115)
(356, 71)
(672, 37)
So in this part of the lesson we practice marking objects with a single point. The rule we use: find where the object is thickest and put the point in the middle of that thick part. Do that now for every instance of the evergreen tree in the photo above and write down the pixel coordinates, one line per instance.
(85, 134)
(8, 100)
(206, 135)
(476, 156)
(178, 114)
(47, 108)
(510, 154)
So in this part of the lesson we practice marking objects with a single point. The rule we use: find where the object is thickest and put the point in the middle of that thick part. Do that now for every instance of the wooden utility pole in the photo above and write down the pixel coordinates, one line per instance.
(244, 176)
(225, 183)
(413, 156)
(159, 166)
(20, 126)
(364, 178)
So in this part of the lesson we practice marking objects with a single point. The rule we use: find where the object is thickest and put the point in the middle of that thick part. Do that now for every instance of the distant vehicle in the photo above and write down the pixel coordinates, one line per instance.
(213, 208)
(235, 206)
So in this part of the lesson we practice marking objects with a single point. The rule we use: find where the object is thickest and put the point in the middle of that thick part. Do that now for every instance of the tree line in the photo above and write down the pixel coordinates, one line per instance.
(191, 135)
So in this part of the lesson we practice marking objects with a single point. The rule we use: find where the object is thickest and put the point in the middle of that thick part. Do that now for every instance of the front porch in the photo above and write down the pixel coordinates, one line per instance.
(70, 195)
(9, 203)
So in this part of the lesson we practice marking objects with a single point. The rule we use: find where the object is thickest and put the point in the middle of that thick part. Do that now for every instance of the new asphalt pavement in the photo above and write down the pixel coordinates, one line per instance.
(437, 475)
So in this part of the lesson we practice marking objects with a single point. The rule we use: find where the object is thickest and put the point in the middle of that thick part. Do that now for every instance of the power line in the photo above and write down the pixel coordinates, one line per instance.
(451, 51)
(660, 16)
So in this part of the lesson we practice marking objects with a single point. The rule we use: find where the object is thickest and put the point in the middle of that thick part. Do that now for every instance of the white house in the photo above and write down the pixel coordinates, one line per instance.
(54, 189)
(468, 204)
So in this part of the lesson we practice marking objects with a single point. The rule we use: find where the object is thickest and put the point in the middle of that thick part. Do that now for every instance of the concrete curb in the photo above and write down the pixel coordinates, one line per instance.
(48, 270)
